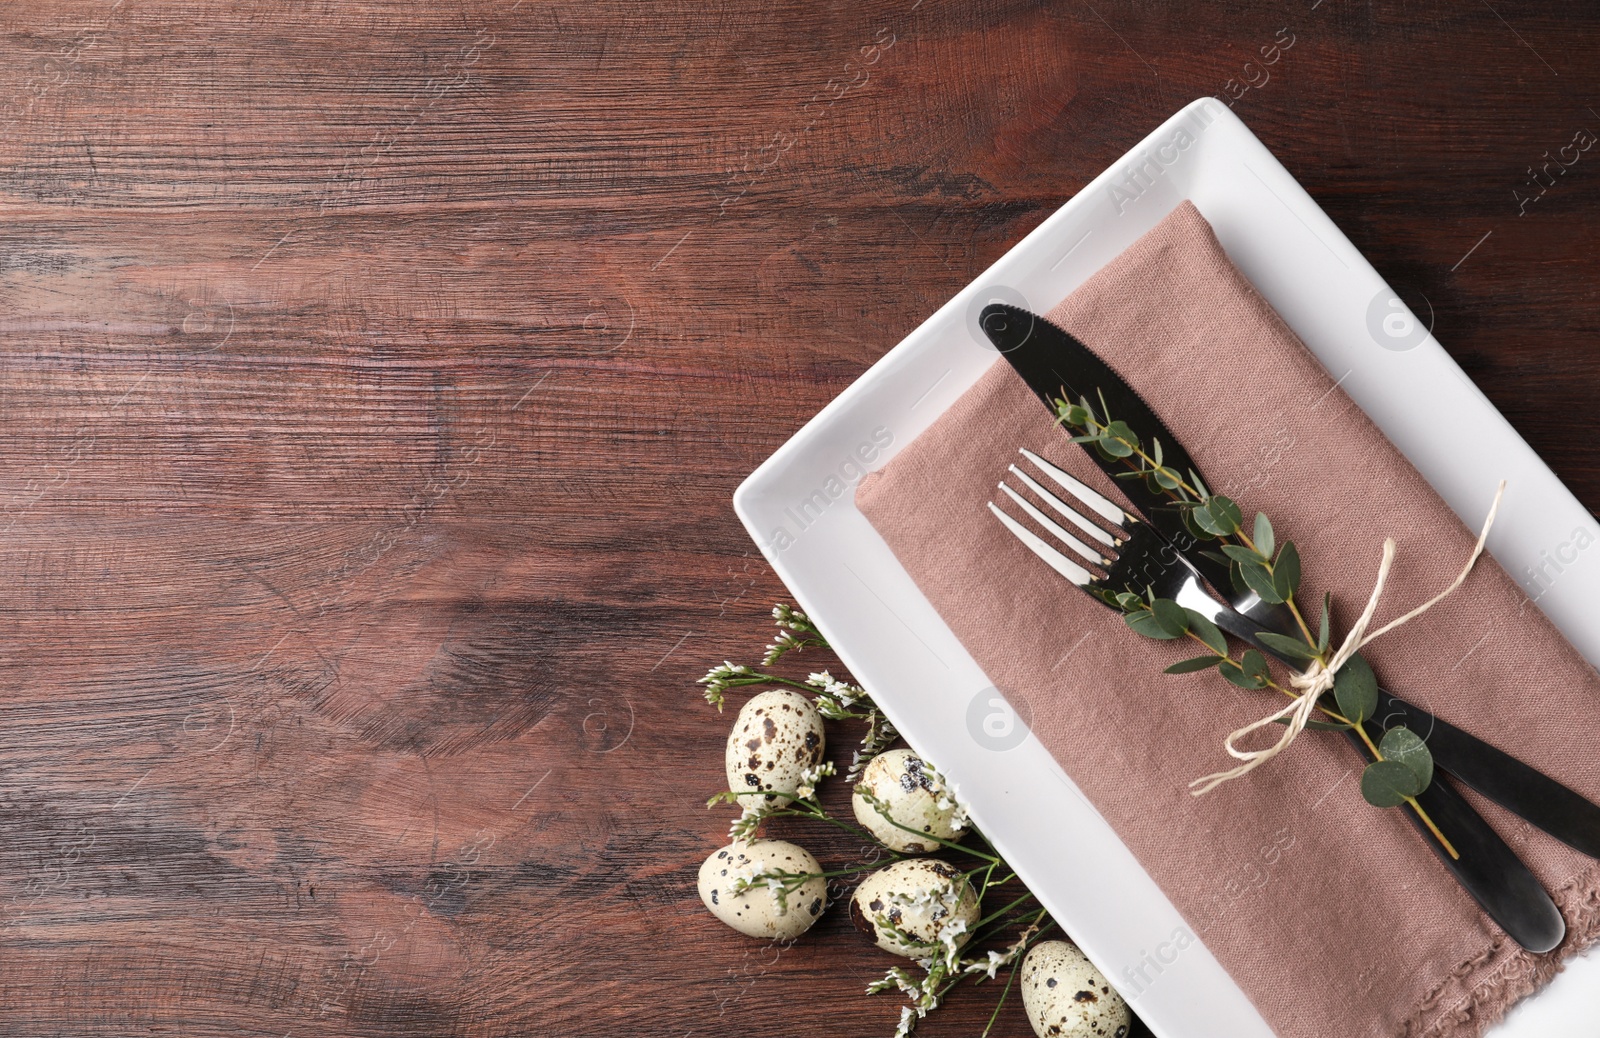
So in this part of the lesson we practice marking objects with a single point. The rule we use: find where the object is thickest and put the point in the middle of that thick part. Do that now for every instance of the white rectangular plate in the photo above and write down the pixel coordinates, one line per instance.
(799, 507)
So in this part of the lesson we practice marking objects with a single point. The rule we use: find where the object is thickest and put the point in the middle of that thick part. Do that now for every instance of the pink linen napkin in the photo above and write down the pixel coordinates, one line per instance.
(1333, 916)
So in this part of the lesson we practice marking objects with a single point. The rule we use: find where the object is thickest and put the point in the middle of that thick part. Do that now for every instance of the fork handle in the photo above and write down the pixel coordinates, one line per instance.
(1480, 766)
(1487, 869)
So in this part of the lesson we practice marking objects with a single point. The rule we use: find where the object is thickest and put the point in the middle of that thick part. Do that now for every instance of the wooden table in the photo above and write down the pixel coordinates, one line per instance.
(376, 377)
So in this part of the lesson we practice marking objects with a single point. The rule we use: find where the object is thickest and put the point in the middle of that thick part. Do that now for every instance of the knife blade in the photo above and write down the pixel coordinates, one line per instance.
(1054, 364)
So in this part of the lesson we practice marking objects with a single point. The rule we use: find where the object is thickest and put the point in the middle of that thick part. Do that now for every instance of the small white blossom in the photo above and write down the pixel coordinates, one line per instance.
(947, 800)
(749, 820)
(811, 778)
(721, 678)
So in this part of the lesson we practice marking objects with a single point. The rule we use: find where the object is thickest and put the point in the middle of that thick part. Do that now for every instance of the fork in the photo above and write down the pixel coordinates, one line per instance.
(1115, 551)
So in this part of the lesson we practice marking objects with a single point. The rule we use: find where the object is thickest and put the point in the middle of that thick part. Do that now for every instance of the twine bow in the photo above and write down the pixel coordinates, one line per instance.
(1318, 678)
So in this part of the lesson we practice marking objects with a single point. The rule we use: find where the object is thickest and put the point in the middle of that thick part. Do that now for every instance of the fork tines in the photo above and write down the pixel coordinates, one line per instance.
(1104, 549)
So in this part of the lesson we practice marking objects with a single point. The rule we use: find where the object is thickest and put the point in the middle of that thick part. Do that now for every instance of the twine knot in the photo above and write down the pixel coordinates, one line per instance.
(1318, 677)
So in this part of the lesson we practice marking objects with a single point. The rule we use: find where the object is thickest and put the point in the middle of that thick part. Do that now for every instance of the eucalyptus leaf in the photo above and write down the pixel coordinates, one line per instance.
(1107, 596)
(1235, 674)
(1355, 688)
(1240, 553)
(1229, 517)
(1405, 746)
(1325, 630)
(1173, 618)
(1206, 520)
(1198, 483)
(1111, 450)
(1293, 648)
(1216, 556)
(1168, 479)
(1121, 431)
(1127, 600)
(1207, 632)
(1144, 622)
(1255, 665)
(1388, 783)
(1155, 451)
(1189, 666)
(1286, 571)
(1262, 534)
(1091, 438)
(1259, 580)
(1191, 520)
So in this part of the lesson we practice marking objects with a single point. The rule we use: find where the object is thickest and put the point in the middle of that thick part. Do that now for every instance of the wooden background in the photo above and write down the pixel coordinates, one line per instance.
(376, 377)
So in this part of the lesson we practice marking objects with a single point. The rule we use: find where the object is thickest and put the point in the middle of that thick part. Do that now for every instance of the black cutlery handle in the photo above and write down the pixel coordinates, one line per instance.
(1531, 794)
(1487, 868)
(1521, 789)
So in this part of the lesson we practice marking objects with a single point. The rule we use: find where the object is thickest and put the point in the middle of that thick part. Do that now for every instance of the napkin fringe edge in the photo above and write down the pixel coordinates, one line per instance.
(1486, 986)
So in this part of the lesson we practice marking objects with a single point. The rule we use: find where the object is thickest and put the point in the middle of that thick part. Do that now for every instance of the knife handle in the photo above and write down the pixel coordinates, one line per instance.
(1520, 788)
(1487, 869)
(1490, 771)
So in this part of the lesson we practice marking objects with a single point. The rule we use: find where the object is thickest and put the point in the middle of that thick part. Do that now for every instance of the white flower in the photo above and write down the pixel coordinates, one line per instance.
(947, 800)
(749, 819)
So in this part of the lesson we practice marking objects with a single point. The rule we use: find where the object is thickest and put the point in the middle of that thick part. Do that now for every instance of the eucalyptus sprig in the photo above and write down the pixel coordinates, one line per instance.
(1402, 766)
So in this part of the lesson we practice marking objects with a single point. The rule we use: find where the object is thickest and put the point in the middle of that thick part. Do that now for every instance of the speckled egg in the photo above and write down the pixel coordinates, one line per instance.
(777, 737)
(758, 912)
(919, 896)
(1066, 997)
(912, 796)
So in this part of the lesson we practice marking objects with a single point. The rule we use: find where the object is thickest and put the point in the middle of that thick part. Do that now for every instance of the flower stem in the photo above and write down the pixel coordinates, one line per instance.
(992, 916)
(919, 834)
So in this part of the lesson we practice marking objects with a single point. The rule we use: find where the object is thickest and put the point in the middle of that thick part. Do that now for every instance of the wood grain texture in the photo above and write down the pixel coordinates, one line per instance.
(375, 379)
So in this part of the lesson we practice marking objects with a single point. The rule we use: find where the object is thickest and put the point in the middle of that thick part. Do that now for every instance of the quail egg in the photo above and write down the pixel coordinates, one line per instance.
(923, 898)
(913, 796)
(1066, 997)
(776, 738)
(759, 912)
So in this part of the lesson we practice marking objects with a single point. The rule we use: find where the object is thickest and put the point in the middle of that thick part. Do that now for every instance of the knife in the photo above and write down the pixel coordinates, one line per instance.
(1055, 364)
